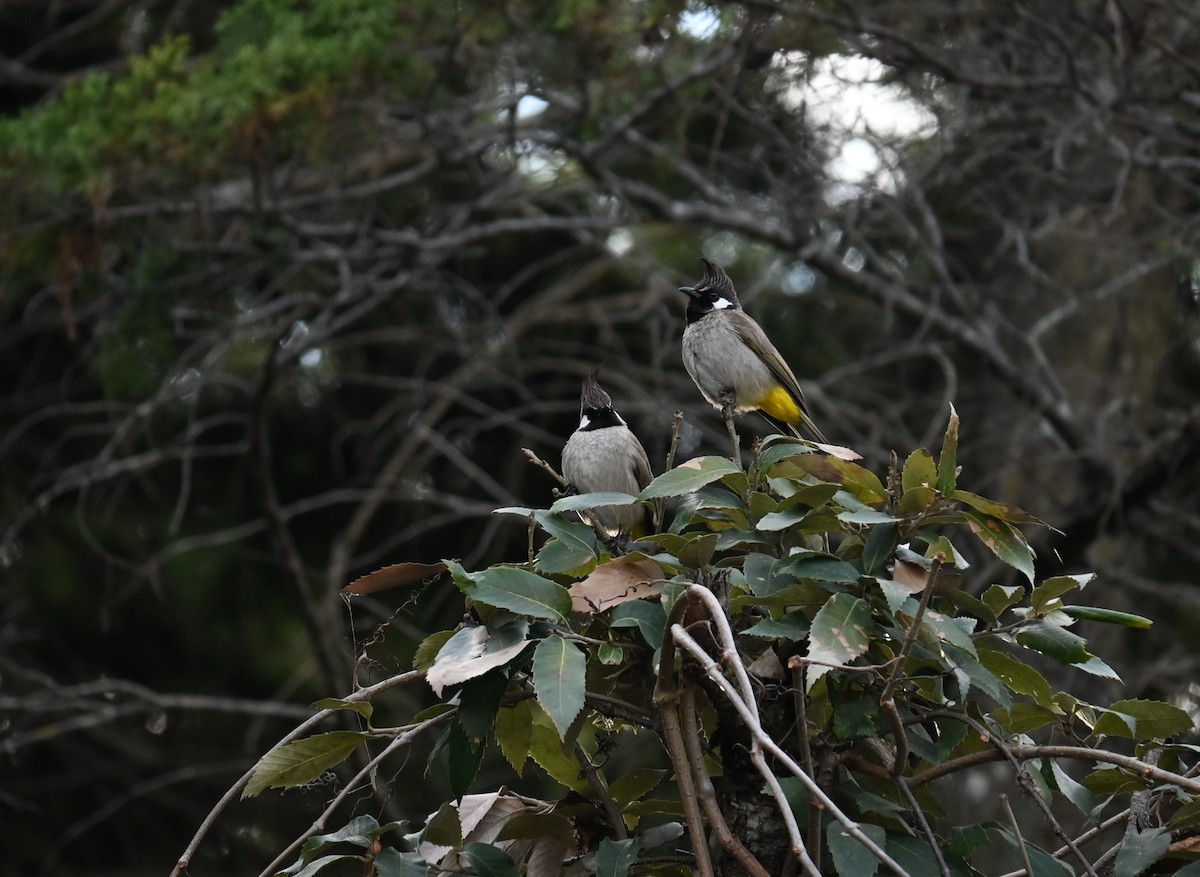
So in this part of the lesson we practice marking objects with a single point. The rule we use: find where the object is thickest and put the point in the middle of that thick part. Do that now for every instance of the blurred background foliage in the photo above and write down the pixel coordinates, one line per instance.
(285, 287)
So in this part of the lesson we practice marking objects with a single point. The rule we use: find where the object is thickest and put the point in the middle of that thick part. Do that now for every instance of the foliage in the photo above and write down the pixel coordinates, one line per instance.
(804, 613)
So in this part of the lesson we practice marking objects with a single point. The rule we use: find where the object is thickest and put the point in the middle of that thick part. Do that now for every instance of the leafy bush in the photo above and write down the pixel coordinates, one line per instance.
(804, 647)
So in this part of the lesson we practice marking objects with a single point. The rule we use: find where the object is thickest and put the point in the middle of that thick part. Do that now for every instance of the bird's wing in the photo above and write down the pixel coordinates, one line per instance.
(756, 339)
(641, 464)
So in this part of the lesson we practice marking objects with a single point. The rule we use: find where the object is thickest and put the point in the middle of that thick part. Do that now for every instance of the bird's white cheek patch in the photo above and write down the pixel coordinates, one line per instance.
(583, 422)
(722, 303)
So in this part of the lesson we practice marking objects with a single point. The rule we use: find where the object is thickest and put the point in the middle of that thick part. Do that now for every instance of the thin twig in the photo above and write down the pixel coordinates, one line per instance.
(800, 699)
(1012, 818)
(887, 700)
(676, 428)
(924, 825)
(611, 810)
(360, 695)
(545, 467)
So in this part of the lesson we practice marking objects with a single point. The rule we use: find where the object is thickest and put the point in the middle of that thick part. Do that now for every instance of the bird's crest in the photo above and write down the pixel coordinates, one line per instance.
(593, 397)
(715, 280)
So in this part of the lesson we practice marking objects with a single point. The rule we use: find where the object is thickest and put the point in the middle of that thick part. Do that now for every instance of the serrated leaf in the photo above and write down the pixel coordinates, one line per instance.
(514, 733)
(472, 652)
(1074, 791)
(948, 461)
(585, 501)
(818, 567)
(1141, 851)
(614, 858)
(558, 680)
(1097, 667)
(862, 483)
(1108, 616)
(630, 577)
(878, 548)
(1003, 541)
(635, 784)
(393, 863)
(427, 651)
(689, 476)
(919, 471)
(360, 831)
(1143, 719)
(649, 618)
(1023, 717)
(363, 707)
(1054, 642)
(838, 635)
(557, 557)
(1017, 675)
(520, 591)
(994, 509)
(1051, 589)
(950, 630)
(896, 594)
(463, 757)
(998, 598)
(850, 857)
(793, 626)
(969, 671)
(302, 761)
(480, 702)
(489, 861)
(396, 575)
(546, 749)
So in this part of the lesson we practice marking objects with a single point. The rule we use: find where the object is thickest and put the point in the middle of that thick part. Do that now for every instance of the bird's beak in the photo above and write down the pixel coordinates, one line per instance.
(688, 290)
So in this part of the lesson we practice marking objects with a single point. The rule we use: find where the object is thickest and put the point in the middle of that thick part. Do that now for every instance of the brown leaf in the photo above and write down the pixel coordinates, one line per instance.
(396, 575)
(616, 582)
(842, 453)
(767, 666)
(911, 576)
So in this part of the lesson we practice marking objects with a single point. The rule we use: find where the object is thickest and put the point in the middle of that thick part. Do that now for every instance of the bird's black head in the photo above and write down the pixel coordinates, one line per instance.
(595, 406)
(714, 292)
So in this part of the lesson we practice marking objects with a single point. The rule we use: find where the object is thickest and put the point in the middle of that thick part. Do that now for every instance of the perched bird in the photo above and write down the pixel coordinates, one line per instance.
(602, 454)
(732, 361)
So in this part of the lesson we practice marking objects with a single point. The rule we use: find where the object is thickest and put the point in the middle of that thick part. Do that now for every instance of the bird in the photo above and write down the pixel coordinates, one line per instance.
(603, 454)
(734, 364)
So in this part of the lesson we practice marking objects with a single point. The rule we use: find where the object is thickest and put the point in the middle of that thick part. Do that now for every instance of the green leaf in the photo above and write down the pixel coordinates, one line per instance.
(1003, 541)
(546, 748)
(649, 618)
(689, 476)
(998, 598)
(1113, 781)
(463, 759)
(1074, 791)
(427, 651)
(479, 703)
(530, 824)
(361, 831)
(1141, 851)
(520, 591)
(1053, 588)
(948, 462)
(302, 761)
(850, 857)
(1108, 616)
(818, 567)
(1186, 816)
(781, 520)
(1023, 717)
(318, 864)
(584, 501)
(557, 556)
(363, 707)
(838, 635)
(698, 550)
(880, 544)
(895, 594)
(1143, 719)
(514, 733)
(950, 630)
(970, 671)
(1054, 642)
(856, 718)
(914, 856)
(393, 863)
(614, 858)
(793, 626)
(444, 828)
(993, 509)
(1097, 667)
(489, 861)
(558, 680)
(634, 784)
(1044, 864)
(919, 471)
(1017, 675)
(863, 483)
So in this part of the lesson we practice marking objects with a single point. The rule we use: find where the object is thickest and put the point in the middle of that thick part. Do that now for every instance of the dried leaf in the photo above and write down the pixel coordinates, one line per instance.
(616, 582)
(396, 575)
